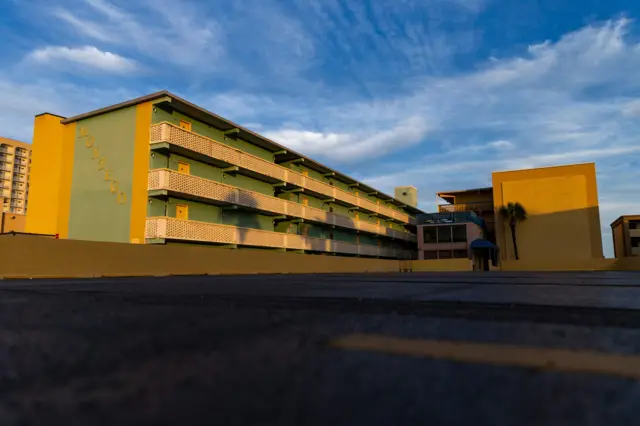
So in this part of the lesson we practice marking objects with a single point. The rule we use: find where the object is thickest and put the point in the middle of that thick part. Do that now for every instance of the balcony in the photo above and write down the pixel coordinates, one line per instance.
(179, 183)
(23, 153)
(165, 133)
(484, 206)
(635, 251)
(186, 230)
(634, 233)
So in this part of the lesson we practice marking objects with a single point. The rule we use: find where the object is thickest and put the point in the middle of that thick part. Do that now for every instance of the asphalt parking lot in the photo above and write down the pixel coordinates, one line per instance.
(440, 348)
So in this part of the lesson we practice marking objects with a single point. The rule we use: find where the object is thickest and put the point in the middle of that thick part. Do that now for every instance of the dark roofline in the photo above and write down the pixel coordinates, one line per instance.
(622, 218)
(464, 191)
(49, 113)
(245, 134)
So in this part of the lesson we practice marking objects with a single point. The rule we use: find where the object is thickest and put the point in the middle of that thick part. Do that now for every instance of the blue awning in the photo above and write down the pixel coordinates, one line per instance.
(481, 243)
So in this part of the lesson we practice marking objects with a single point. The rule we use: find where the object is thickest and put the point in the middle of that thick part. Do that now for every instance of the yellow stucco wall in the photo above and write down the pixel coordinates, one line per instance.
(140, 173)
(45, 177)
(563, 221)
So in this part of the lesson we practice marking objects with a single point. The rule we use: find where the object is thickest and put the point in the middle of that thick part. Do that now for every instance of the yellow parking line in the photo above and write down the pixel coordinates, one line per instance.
(489, 353)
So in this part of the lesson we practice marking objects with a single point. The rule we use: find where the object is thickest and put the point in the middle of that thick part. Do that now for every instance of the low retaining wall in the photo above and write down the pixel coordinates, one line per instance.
(25, 256)
(38, 257)
(442, 265)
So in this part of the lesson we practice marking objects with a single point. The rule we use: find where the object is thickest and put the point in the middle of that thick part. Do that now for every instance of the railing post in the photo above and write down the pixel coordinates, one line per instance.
(165, 132)
(161, 228)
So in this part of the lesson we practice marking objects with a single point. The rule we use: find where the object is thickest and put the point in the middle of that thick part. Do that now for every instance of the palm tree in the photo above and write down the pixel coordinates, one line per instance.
(513, 213)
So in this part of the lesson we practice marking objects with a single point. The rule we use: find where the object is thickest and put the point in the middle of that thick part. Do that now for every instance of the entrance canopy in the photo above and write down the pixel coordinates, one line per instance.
(481, 243)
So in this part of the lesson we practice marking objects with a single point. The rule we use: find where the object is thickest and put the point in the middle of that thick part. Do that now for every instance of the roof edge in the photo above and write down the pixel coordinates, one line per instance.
(50, 113)
(121, 105)
(178, 99)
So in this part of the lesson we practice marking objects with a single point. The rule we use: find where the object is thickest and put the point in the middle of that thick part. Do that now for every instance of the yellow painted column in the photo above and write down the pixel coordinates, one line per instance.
(140, 173)
(45, 175)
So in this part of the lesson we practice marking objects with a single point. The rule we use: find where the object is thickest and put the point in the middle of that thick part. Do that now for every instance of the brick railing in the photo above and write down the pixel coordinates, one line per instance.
(187, 230)
(168, 133)
(170, 180)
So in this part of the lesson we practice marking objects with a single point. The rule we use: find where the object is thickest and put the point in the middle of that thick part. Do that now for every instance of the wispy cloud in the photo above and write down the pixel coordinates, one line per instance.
(89, 56)
(169, 30)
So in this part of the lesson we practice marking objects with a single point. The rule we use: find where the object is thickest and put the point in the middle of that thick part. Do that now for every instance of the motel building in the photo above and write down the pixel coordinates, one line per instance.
(161, 170)
(456, 235)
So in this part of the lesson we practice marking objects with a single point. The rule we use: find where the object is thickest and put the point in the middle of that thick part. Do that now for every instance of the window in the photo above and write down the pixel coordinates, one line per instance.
(430, 234)
(182, 212)
(460, 254)
(635, 241)
(444, 254)
(634, 224)
(459, 233)
(185, 125)
(430, 254)
(184, 168)
(444, 234)
(330, 209)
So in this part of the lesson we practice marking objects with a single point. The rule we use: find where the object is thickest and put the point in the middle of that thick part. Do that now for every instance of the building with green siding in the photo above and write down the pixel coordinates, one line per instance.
(160, 170)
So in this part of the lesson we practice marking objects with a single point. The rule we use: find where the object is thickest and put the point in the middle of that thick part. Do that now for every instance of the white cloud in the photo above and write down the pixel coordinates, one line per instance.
(356, 146)
(89, 56)
(172, 31)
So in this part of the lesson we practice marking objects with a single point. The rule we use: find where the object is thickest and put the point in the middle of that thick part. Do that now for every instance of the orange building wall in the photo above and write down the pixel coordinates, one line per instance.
(563, 214)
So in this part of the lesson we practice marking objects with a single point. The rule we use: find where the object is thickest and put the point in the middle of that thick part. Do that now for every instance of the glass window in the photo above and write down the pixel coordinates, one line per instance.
(444, 234)
(430, 254)
(459, 233)
(634, 224)
(460, 254)
(430, 234)
(444, 254)
(635, 241)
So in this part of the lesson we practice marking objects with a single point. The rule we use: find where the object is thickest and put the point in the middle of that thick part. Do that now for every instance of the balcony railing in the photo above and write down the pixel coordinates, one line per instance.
(169, 180)
(168, 133)
(635, 251)
(186, 230)
(465, 207)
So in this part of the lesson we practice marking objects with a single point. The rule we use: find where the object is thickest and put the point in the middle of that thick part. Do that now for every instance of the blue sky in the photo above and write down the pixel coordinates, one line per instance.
(430, 93)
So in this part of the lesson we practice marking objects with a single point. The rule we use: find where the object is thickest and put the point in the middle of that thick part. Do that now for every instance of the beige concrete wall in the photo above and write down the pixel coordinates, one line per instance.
(30, 256)
(14, 222)
(442, 265)
(41, 257)
(34, 257)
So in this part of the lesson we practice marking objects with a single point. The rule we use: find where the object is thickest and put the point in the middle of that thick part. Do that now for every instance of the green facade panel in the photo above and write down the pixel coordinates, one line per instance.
(197, 211)
(103, 177)
(160, 115)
